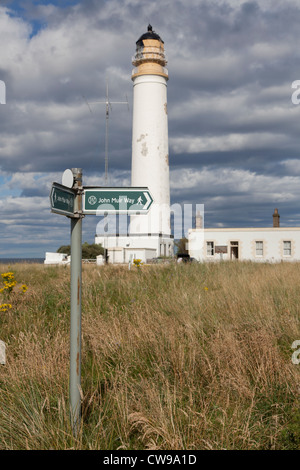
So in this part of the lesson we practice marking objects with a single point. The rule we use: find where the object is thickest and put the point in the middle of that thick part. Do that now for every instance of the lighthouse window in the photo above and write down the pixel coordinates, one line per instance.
(210, 249)
(287, 248)
(259, 248)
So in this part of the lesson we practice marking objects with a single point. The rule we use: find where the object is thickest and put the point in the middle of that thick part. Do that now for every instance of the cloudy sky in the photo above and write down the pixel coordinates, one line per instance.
(234, 132)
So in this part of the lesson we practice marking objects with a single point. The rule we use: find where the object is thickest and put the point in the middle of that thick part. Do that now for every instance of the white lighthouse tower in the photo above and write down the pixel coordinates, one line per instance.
(149, 234)
(150, 147)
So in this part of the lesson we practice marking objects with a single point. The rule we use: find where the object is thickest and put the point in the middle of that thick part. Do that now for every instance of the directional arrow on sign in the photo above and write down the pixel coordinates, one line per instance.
(98, 200)
(149, 200)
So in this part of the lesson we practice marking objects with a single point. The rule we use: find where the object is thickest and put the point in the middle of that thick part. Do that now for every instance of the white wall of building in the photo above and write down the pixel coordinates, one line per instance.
(127, 255)
(148, 246)
(56, 258)
(255, 244)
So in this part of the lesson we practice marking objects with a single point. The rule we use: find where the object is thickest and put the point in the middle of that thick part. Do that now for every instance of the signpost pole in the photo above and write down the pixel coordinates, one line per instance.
(75, 320)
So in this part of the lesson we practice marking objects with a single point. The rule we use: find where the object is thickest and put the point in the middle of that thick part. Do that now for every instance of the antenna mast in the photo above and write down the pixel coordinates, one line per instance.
(108, 106)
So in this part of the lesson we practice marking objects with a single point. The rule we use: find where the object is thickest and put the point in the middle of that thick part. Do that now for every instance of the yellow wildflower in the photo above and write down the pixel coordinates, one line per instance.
(137, 262)
(4, 307)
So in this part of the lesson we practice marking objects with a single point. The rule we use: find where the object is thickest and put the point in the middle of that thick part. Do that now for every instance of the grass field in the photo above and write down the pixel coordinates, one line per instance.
(189, 357)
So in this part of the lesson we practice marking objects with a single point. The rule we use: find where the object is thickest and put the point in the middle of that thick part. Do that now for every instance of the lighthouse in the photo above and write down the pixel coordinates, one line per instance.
(149, 235)
(150, 148)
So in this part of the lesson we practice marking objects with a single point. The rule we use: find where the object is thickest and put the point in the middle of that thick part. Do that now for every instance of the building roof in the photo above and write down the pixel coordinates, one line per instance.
(245, 229)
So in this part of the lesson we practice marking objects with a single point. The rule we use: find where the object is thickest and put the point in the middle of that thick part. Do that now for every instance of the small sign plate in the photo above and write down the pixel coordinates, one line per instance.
(62, 200)
(116, 200)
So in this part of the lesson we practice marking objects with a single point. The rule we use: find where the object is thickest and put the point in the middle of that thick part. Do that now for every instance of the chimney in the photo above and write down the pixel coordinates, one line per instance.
(199, 220)
(276, 217)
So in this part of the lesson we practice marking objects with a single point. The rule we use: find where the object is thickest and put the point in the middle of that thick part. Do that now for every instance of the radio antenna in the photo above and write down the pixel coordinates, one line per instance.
(108, 108)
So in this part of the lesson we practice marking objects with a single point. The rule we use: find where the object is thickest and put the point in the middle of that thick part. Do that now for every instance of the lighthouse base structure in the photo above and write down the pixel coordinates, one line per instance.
(122, 249)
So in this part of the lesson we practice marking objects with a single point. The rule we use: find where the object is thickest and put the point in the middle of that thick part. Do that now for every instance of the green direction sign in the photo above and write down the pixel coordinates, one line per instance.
(62, 200)
(116, 200)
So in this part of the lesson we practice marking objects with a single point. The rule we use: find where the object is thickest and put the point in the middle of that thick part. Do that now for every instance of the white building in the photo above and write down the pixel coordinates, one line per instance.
(57, 258)
(269, 244)
(149, 234)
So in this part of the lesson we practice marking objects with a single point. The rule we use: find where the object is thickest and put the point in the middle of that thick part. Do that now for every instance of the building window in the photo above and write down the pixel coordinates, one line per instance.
(259, 248)
(210, 249)
(287, 248)
(234, 250)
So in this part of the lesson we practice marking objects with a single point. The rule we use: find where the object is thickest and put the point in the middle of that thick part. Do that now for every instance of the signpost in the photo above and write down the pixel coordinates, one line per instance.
(66, 200)
(116, 200)
(74, 201)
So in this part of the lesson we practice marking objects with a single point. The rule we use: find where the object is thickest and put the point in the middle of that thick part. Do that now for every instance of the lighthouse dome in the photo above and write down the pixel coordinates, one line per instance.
(150, 55)
(150, 34)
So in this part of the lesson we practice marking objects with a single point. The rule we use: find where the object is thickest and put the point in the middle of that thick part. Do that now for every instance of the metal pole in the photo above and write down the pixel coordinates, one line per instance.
(75, 320)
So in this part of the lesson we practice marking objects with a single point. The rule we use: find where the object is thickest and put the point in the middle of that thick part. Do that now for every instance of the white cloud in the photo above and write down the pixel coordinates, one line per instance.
(226, 143)
(226, 181)
(292, 165)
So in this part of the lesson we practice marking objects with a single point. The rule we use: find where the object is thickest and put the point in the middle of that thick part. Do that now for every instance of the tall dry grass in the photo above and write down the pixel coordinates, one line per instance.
(173, 357)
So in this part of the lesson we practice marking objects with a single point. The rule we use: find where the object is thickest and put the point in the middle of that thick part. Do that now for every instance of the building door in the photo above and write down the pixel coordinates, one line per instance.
(234, 250)
(162, 249)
